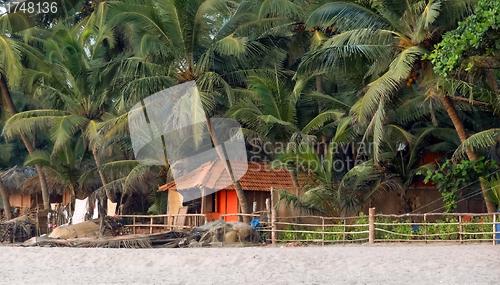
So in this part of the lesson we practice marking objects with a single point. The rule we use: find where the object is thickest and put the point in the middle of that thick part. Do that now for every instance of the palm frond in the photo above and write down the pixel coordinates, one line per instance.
(479, 141)
(346, 17)
(431, 11)
(320, 120)
(64, 128)
(30, 121)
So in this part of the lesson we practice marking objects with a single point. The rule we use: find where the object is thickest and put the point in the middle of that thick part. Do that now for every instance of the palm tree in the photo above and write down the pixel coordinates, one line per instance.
(393, 37)
(211, 41)
(329, 191)
(269, 112)
(10, 65)
(67, 166)
(73, 94)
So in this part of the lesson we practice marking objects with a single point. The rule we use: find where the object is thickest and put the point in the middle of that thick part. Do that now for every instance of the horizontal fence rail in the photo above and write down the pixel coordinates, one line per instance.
(432, 227)
(159, 223)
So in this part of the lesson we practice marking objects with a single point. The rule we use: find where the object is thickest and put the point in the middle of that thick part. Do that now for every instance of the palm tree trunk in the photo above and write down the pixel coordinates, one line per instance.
(293, 176)
(491, 81)
(12, 109)
(459, 127)
(236, 184)
(104, 181)
(6, 204)
(319, 84)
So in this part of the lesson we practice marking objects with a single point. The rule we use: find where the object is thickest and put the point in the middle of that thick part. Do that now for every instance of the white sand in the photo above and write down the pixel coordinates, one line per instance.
(363, 264)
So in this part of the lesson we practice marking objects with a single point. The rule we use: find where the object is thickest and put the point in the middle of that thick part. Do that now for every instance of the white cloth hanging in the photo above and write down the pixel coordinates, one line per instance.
(111, 208)
(81, 207)
(96, 210)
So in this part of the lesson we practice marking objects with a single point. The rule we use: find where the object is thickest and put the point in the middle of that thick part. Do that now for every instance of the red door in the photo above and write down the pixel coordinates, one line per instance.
(231, 205)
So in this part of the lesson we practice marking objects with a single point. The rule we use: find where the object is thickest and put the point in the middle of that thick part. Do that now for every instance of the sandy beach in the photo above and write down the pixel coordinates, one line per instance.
(352, 264)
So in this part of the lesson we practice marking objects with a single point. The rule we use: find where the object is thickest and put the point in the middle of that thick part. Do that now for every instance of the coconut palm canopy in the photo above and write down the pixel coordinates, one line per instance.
(334, 75)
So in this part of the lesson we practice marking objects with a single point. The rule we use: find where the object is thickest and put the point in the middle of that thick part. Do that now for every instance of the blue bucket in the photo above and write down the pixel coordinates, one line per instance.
(497, 230)
(497, 233)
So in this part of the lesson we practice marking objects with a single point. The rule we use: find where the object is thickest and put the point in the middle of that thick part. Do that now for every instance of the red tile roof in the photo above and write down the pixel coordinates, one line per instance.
(213, 175)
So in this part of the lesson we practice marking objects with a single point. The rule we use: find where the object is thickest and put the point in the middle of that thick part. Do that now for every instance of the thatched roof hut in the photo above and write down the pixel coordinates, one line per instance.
(14, 177)
(32, 186)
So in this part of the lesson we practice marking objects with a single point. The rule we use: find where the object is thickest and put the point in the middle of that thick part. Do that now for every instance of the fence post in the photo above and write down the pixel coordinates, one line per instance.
(273, 220)
(425, 226)
(134, 223)
(323, 231)
(151, 225)
(494, 229)
(460, 229)
(371, 225)
(343, 234)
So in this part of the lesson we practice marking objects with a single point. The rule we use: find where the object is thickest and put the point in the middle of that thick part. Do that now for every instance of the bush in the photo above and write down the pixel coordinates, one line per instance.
(362, 221)
(289, 235)
(448, 232)
(396, 229)
(478, 230)
(328, 228)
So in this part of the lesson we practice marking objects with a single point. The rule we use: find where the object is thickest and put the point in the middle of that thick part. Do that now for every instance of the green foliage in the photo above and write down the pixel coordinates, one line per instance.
(396, 229)
(338, 228)
(159, 206)
(289, 235)
(327, 191)
(478, 230)
(494, 189)
(450, 176)
(362, 221)
(470, 35)
(448, 228)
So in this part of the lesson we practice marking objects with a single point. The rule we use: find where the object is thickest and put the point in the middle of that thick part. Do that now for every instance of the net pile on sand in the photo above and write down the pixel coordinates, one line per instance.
(19, 229)
(220, 233)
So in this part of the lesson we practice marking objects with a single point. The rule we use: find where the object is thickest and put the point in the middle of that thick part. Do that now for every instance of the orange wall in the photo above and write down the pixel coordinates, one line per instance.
(227, 203)
(21, 201)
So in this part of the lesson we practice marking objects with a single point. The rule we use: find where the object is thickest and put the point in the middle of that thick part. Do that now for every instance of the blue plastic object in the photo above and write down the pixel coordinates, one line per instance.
(415, 228)
(497, 231)
(497, 235)
(255, 223)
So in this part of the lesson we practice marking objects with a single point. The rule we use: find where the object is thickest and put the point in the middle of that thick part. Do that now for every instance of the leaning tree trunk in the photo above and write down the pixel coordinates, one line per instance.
(491, 81)
(10, 105)
(6, 204)
(463, 136)
(104, 181)
(236, 184)
(293, 177)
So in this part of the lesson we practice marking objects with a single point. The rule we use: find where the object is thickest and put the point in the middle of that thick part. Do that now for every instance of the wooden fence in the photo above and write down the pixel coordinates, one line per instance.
(155, 223)
(459, 227)
(158, 223)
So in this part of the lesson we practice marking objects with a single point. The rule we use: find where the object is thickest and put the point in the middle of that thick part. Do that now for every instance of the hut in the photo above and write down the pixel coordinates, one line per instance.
(23, 187)
(12, 179)
(211, 176)
(31, 190)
